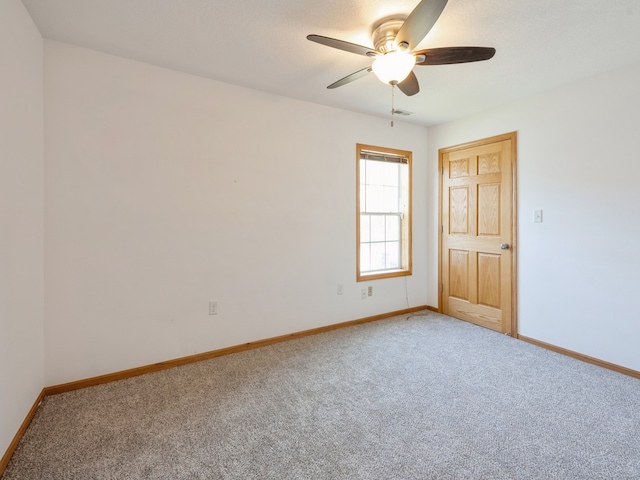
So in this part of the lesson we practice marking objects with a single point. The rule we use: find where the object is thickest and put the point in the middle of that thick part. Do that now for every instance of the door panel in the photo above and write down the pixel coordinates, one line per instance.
(477, 213)
(458, 274)
(489, 209)
(459, 210)
(489, 280)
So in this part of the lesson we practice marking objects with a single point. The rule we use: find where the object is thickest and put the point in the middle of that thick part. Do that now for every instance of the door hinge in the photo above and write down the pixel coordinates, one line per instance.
(442, 287)
(441, 228)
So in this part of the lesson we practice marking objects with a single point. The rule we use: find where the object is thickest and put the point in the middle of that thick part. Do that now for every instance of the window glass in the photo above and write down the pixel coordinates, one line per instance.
(392, 231)
(377, 228)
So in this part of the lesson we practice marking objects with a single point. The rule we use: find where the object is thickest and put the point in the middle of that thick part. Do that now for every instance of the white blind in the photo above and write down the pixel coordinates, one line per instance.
(383, 157)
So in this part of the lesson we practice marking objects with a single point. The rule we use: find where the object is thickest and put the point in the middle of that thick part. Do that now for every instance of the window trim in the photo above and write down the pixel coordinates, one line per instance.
(406, 229)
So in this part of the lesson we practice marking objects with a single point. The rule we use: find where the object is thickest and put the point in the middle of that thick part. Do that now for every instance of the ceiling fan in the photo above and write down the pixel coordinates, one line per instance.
(394, 39)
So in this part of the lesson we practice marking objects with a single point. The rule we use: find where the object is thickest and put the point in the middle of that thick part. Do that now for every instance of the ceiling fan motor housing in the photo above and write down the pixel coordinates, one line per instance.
(384, 34)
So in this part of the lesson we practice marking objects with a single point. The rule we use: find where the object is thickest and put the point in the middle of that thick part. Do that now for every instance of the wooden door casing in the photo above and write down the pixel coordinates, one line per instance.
(477, 216)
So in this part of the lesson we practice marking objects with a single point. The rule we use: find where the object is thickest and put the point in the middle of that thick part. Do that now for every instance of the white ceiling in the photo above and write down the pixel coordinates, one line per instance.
(261, 44)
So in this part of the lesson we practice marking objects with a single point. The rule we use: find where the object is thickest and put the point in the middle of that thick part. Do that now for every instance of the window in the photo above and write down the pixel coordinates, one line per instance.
(383, 225)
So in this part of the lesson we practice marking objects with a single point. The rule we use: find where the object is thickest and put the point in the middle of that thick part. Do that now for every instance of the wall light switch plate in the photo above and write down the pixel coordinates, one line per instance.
(340, 289)
(537, 216)
(364, 293)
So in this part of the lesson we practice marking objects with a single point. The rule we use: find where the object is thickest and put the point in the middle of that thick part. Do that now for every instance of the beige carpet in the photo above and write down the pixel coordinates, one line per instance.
(415, 397)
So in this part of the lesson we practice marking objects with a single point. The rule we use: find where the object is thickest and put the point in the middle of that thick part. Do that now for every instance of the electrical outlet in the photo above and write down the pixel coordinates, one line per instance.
(340, 289)
(364, 293)
(213, 307)
(370, 291)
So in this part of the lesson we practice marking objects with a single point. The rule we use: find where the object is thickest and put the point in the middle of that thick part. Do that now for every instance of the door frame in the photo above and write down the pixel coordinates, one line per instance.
(513, 136)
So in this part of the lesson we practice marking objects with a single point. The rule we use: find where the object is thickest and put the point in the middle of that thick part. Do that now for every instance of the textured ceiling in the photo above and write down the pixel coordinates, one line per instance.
(261, 44)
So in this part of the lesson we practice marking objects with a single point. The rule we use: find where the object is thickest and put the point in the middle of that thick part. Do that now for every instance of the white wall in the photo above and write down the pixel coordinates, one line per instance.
(165, 190)
(21, 218)
(579, 161)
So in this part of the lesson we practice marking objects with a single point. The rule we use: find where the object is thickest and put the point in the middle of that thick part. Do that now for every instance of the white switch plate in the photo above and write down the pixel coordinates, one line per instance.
(364, 293)
(340, 289)
(537, 216)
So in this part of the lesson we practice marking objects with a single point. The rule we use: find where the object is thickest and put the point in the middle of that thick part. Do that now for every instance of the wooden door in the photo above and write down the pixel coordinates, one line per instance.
(477, 241)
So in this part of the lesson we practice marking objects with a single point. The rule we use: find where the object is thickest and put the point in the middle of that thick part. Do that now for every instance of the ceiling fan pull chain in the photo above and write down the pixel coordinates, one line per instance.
(393, 106)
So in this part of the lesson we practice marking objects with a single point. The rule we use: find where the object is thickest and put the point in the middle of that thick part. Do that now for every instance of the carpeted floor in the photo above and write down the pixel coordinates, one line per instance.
(414, 397)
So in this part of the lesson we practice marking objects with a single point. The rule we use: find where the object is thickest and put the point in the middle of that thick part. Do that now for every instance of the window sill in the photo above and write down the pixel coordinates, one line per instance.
(364, 277)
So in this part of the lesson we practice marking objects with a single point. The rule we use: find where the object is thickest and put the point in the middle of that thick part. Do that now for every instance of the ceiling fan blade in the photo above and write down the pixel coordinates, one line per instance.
(450, 55)
(350, 78)
(409, 86)
(419, 22)
(342, 45)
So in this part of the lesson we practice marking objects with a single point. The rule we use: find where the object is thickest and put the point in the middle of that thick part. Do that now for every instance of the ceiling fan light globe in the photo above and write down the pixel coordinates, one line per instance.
(393, 67)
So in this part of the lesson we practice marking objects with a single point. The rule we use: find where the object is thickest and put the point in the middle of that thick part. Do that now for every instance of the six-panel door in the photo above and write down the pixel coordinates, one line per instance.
(476, 252)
